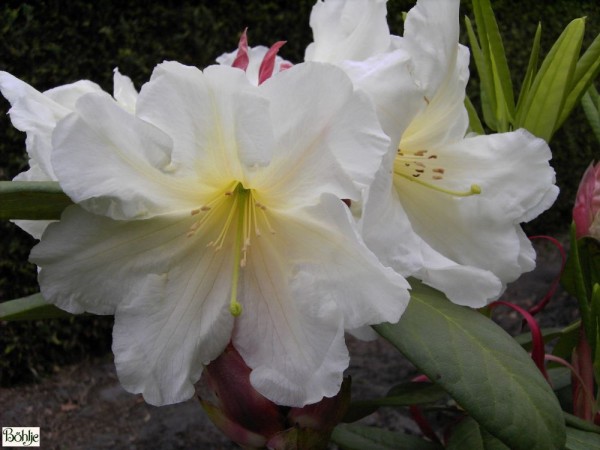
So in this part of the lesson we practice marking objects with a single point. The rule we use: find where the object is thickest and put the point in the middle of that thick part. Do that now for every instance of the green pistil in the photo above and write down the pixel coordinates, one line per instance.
(235, 307)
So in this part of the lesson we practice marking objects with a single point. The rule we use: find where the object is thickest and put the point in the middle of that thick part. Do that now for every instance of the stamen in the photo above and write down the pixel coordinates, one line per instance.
(473, 190)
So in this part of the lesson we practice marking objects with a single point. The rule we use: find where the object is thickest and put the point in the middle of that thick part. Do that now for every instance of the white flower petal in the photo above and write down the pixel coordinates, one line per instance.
(348, 30)
(444, 118)
(124, 92)
(431, 32)
(388, 80)
(215, 119)
(114, 164)
(341, 122)
(178, 322)
(385, 227)
(37, 114)
(515, 179)
(328, 233)
(89, 262)
(169, 299)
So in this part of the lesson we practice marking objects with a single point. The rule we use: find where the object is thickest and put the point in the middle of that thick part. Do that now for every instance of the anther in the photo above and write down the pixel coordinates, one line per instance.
(439, 170)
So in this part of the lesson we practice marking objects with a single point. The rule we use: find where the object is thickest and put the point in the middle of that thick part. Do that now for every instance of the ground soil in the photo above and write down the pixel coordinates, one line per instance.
(84, 407)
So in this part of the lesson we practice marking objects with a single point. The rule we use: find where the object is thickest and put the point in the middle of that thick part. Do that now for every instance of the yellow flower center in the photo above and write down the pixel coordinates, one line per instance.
(422, 167)
(242, 211)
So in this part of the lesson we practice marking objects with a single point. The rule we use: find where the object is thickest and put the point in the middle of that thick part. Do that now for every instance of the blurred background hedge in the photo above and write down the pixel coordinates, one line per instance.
(50, 43)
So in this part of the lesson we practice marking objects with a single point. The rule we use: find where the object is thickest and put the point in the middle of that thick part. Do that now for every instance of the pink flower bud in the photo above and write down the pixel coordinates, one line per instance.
(253, 421)
(587, 204)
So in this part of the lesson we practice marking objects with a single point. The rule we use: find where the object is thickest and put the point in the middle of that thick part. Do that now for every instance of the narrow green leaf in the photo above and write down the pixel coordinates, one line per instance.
(582, 440)
(586, 71)
(32, 200)
(475, 125)
(404, 394)
(567, 341)
(531, 69)
(488, 104)
(592, 110)
(540, 113)
(580, 424)
(468, 435)
(481, 367)
(505, 102)
(33, 307)
(360, 437)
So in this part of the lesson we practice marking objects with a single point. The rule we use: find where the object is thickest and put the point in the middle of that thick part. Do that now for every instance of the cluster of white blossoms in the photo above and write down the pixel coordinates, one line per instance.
(211, 208)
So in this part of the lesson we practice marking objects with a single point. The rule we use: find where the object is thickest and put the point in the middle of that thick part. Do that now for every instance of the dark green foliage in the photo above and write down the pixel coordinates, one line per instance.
(50, 43)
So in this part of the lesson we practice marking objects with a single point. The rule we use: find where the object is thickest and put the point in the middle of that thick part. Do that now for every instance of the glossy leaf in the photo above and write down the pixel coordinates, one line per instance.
(497, 66)
(488, 100)
(475, 125)
(33, 307)
(532, 66)
(404, 394)
(468, 435)
(586, 71)
(582, 440)
(544, 102)
(481, 367)
(360, 437)
(591, 106)
(32, 200)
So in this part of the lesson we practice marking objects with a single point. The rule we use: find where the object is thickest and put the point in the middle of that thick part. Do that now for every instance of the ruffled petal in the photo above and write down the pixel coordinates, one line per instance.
(216, 119)
(167, 290)
(483, 230)
(345, 30)
(388, 80)
(343, 123)
(37, 114)
(302, 286)
(431, 32)
(114, 164)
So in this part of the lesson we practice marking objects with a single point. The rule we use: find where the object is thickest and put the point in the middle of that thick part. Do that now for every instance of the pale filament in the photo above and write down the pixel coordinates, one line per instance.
(420, 165)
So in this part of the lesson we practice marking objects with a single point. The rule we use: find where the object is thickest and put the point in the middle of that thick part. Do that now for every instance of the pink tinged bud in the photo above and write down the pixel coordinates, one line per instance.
(228, 377)
(268, 63)
(231, 429)
(242, 59)
(587, 204)
(253, 421)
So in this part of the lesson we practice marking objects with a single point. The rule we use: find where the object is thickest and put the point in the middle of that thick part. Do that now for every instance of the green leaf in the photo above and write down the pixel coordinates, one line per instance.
(474, 123)
(580, 424)
(592, 110)
(496, 62)
(544, 103)
(33, 307)
(586, 71)
(567, 341)
(468, 435)
(481, 367)
(531, 69)
(360, 437)
(32, 200)
(582, 440)
(404, 394)
(488, 99)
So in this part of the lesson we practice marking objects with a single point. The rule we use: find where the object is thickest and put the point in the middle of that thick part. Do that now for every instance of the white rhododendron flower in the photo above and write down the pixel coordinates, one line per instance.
(37, 114)
(214, 215)
(447, 208)
(348, 30)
